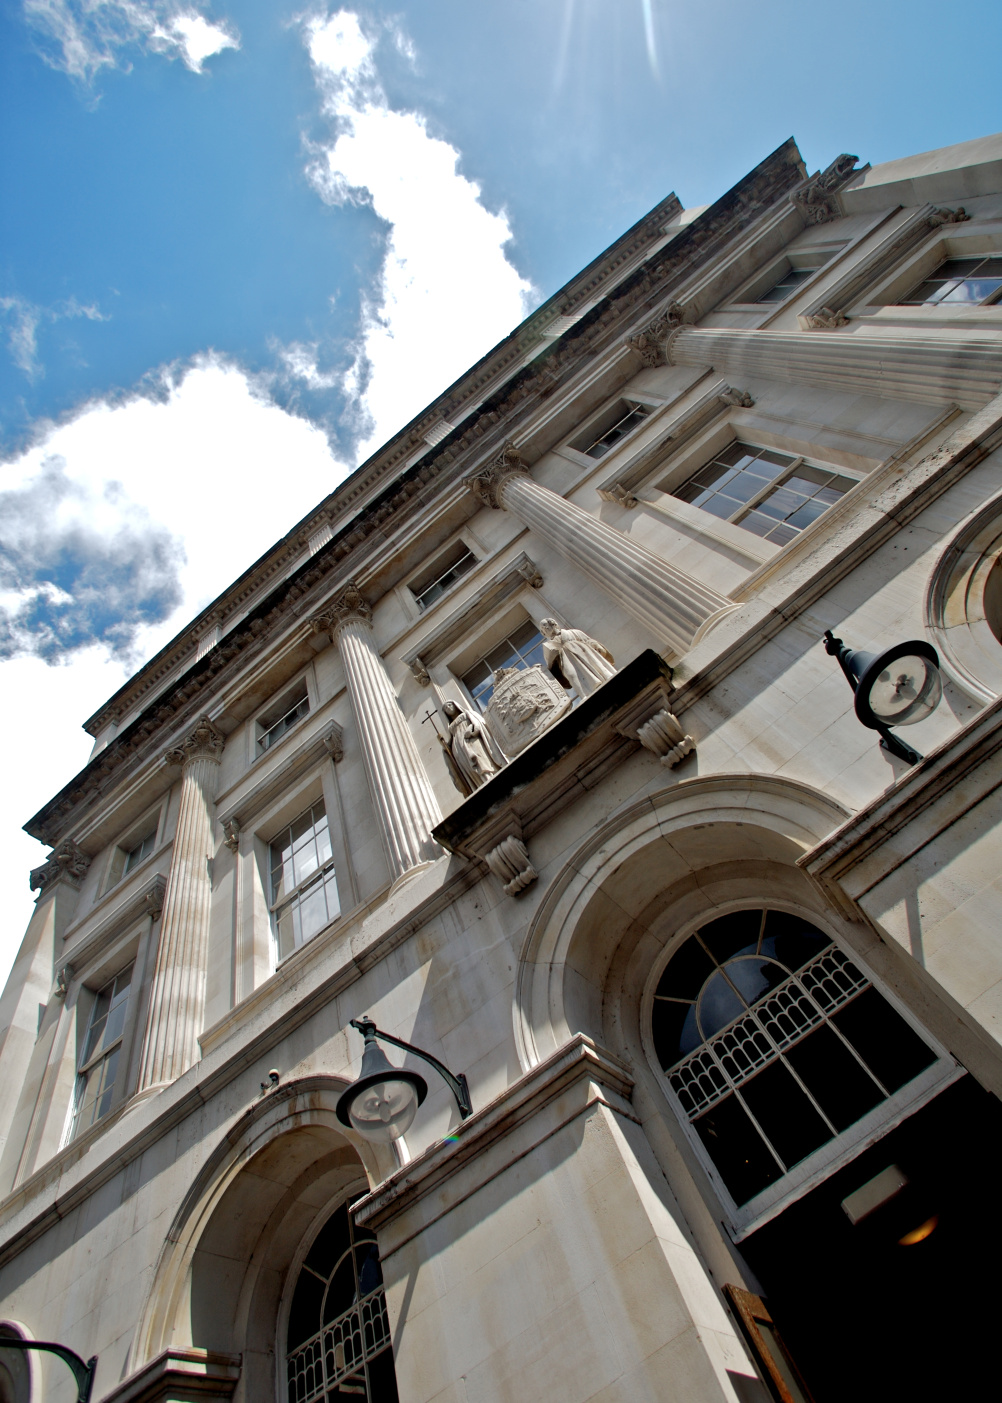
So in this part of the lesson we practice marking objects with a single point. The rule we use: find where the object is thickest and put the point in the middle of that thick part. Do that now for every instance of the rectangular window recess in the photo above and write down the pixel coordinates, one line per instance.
(304, 894)
(291, 708)
(139, 851)
(442, 574)
(603, 434)
(960, 282)
(97, 1071)
(787, 284)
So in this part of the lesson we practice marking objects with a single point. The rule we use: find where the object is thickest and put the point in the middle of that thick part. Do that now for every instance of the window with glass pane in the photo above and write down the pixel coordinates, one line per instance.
(445, 573)
(338, 1344)
(970, 282)
(627, 416)
(769, 493)
(775, 1043)
(522, 648)
(787, 285)
(304, 895)
(140, 851)
(273, 725)
(101, 1052)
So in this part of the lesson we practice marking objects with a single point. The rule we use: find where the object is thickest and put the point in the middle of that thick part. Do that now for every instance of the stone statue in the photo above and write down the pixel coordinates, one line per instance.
(474, 753)
(575, 659)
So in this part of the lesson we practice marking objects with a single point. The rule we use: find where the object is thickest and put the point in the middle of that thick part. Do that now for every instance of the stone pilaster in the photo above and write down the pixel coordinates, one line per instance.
(671, 604)
(403, 797)
(177, 998)
(933, 369)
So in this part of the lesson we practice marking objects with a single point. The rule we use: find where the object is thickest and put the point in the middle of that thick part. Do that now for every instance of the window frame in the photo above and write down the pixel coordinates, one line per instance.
(979, 238)
(587, 432)
(331, 864)
(744, 1219)
(815, 257)
(150, 825)
(417, 593)
(259, 728)
(529, 621)
(122, 1045)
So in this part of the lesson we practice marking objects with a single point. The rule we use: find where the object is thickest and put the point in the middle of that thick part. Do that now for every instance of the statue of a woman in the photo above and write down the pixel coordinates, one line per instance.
(472, 748)
(575, 659)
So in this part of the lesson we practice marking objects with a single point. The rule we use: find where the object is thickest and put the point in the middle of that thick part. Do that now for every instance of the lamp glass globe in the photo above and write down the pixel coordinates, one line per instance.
(907, 690)
(384, 1110)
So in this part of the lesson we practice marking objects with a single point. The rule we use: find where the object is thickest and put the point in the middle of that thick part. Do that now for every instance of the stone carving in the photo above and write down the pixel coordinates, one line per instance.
(525, 703)
(153, 901)
(826, 320)
(63, 977)
(741, 398)
(203, 743)
(347, 607)
(948, 216)
(650, 343)
(529, 572)
(575, 659)
(488, 482)
(420, 671)
(511, 864)
(663, 736)
(334, 742)
(472, 755)
(616, 492)
(231, 832)
(817, 200)
(67, 861)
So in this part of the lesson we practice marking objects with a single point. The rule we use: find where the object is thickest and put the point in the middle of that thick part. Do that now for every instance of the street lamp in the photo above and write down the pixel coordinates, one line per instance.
(82, 1373)
(382, 1104)
(897, 687)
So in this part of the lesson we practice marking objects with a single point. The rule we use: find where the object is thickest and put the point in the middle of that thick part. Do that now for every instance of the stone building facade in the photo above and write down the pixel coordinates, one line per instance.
(527, 745)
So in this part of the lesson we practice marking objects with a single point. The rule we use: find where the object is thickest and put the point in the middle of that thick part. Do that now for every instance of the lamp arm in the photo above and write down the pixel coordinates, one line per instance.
(82, 1373)
(457, 1085)
(835, 648)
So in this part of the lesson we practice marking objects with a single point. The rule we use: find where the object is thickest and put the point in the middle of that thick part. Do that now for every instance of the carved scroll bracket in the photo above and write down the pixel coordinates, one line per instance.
(664, 737)
(510, 863)
(818, 200)
(825, 319)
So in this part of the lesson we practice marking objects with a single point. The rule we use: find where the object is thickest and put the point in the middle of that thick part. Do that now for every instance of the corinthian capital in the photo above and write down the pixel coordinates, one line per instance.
(650, 343)
(203, 743)
(345, 608)
(487, 483)
(66, 861)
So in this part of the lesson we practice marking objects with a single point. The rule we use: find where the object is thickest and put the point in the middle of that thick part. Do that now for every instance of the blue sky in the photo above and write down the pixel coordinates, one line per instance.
(243, 242)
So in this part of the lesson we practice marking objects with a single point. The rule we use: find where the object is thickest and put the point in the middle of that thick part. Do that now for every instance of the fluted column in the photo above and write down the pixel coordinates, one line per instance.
(404, 800)
(177, 999)
(672, 604)
(926, 368)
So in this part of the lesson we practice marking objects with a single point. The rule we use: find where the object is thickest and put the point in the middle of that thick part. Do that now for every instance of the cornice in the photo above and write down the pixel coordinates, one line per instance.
(624, 310)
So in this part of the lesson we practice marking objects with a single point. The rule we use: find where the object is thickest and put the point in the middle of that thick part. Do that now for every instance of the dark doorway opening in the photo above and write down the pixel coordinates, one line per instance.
(903, 1303)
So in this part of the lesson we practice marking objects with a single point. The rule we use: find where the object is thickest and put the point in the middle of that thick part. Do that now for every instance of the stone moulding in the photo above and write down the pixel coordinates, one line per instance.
(187, 1373)
(146, 903)
(576, 751)
(241, 811)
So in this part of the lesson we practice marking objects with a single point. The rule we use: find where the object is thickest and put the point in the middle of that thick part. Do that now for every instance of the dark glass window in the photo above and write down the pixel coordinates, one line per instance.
(966, 282)
(522, 648)
(140, 851)
(604, 437)
(443, 575)
(787, 285)
(304, 896)
(770, 493)
(338, 1344)
(97, 1070)
(774, 1043)
(273, 725)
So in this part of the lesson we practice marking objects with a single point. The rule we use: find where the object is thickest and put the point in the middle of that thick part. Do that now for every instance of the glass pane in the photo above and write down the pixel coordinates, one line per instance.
(686, 971)
(834, 1078)
(784, 1113)
(792, 940)
(718, 1005)
(675, 1032)
(313, 910)
(98, 1018)
(728, 935)
(754, 978)
(737, 1149)
(887, 1044)
(973, 291)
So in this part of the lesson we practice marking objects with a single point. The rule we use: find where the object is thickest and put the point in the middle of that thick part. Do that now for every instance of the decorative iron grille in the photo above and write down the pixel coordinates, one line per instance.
(332, 1362)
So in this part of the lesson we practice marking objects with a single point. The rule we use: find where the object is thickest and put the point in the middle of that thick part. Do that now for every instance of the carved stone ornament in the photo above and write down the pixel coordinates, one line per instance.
(817, 201)
(741, 398)
(231, 834)
(63, 977)
(203, 743)
(511, 864)
(530, 574)
(349, 606)
(650, 343)
(525, 703)
(420, 671)
(153, 901)
(487, 483)
(949, 216)
(616, 492)
(663, 736)
(826, 320)
(66, 861)
(334, 742)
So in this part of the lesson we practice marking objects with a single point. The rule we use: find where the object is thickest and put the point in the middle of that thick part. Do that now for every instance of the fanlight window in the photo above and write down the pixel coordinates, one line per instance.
(338, 1344)
(775, 1043)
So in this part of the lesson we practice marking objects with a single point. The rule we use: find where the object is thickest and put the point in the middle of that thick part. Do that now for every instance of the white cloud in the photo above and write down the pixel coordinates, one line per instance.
(80, 37)
(24, 319)
(447, 291)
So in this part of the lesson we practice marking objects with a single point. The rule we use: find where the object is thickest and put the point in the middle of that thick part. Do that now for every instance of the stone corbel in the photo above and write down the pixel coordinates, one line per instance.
(949, 216)
(649, 344)
(511, 864)
(616, 492)
(651, 721)
(741, 398)
(825, 319)
(67, 862)
(152, 901)
(63, 977)
(420, 671)
(334, 742)
(231, 832)
(530, 574)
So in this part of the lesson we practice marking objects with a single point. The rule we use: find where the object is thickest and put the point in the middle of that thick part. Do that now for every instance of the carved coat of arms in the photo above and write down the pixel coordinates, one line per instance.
(526, 702)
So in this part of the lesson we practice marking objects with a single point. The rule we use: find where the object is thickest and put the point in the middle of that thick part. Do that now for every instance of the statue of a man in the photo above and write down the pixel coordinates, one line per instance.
(575, 659)
(472, 749)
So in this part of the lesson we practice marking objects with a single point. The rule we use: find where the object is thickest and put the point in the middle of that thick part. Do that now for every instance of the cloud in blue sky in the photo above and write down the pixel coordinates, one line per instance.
(81, 37)
(23, 319)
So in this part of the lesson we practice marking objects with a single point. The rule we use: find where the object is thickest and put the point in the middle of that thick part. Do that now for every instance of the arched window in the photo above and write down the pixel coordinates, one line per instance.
(775, 1044)
(338, 1343)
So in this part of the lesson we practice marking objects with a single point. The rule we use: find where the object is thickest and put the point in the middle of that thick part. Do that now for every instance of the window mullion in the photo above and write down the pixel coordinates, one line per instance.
(766, 491)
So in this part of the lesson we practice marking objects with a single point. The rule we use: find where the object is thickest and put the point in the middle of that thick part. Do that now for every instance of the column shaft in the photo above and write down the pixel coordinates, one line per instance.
(177, 998)
(404, 800)
(673, 605)
(911, 367)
